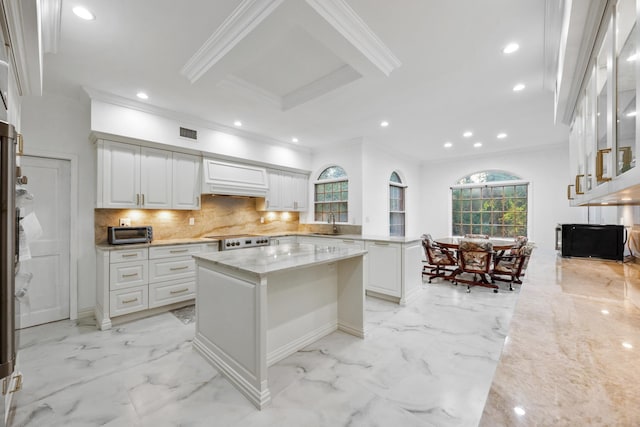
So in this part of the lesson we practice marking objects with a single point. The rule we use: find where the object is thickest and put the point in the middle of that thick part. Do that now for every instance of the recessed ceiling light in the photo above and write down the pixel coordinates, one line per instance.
(518, 87)
(384, 123)
(467, 134)
(627, 345)
(631, 114)
(83, 13)
(501, 135)
(519, 410)
(510, 48)
(294, 139)
(448, 145)
(478, 144)
(237, 123)
(142, 95)
(604, 311)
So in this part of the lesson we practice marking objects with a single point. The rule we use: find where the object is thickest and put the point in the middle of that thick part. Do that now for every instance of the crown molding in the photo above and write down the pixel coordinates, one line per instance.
(238, 84)
(244, 19)
(347, 22)
(51, 16)
(186, 119)
(340, 77)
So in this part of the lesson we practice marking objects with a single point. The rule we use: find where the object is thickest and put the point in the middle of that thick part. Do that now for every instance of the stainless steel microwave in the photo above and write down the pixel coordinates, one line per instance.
(128, 235)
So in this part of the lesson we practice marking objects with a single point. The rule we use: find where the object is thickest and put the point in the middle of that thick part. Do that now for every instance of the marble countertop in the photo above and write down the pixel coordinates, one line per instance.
(192, 240)
(268, 259)
(571, 354)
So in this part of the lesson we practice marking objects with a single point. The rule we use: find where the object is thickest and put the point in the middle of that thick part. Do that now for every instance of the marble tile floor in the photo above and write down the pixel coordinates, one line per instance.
(430, 363)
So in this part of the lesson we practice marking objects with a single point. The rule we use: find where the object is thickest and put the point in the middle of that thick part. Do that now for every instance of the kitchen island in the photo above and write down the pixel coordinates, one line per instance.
(257, 306)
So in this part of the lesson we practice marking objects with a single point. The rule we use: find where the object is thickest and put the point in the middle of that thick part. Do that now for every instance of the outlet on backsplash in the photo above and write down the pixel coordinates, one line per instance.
(125, 222)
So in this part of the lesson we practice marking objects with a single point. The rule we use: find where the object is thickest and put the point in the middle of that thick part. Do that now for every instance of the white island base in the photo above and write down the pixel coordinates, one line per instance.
(249, 317)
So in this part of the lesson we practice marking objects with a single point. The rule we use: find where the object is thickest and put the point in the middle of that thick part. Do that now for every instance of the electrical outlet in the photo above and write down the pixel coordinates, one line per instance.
(125, 222)
(192, 221)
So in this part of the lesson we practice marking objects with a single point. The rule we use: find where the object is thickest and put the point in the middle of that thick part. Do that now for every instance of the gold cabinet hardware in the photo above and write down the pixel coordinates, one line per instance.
(600, 165)
(177, 251)
(179, 291)
(18, 385)
(130, 275)
(20, 143)
(142, 199)
(129, 255)
(138, 199)
(184, 267)
(569, 191)
(127, 301)
(578, 186)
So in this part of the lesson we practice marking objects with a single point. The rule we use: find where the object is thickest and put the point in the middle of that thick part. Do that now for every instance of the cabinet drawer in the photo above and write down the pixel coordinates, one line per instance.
(125, 255)
(129, 300)
(171, 268)
(127, 274)
(164, 293)
(174, 251)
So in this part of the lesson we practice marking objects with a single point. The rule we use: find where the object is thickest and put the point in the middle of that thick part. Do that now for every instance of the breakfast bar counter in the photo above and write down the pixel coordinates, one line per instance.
(259, 305)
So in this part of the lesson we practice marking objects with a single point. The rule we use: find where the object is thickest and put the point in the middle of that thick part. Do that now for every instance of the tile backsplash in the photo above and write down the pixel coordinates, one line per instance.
(220, 215)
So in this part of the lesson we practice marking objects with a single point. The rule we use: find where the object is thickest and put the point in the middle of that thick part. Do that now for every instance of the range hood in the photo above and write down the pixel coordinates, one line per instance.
(234, 179)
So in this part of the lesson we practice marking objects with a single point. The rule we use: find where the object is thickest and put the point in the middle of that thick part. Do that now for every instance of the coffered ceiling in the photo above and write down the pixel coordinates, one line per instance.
(323, 71)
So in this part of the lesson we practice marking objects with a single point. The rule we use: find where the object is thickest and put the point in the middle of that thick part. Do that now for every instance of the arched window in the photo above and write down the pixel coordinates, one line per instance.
(332, 195)
(396, 205)
(492, 202)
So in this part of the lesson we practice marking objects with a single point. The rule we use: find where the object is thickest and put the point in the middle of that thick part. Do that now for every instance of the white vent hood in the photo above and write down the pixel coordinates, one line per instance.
(234, 179)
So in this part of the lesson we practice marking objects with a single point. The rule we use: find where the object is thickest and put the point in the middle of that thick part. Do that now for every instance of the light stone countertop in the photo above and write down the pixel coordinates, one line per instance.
(268, 259)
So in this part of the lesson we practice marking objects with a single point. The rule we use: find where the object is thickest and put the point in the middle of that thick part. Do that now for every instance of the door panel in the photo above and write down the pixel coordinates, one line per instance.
(47, 298)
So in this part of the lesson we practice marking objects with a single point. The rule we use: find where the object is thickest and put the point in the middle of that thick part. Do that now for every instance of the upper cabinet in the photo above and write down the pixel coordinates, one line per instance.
(234, 179)
(288, 191)
(603, 138)
(131, 176)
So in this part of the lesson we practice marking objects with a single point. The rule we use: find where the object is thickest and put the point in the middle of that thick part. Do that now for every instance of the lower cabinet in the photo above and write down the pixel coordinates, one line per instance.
(139, 279)
(384, 268)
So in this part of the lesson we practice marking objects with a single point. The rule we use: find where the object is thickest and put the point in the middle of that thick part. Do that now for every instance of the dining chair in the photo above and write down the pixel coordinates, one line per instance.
(474, 257)
(510, 267)
(440, 262)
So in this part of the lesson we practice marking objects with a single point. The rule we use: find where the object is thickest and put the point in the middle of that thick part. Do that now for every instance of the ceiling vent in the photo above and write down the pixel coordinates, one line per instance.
(189, 133)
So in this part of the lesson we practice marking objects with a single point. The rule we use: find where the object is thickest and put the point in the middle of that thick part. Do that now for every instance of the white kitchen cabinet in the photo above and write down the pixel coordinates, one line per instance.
(287, 192)
(130, 176)
(155, 178)
(234, 178)
(186, 181)
(384, 268)
(144, 280)
(118, 175)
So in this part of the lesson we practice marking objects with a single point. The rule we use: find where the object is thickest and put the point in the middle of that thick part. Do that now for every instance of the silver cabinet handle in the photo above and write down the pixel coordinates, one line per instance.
(348, 241)
(130, 275)
(381, 244)
(184, 267)
(127, 301)
(198, 201)
(129, 255)
(142, 199)
(179, 291)
(138, 199)
(177, 251)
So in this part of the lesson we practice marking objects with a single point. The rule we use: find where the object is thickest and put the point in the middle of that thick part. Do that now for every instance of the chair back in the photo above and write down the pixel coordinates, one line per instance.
(525, 252)
(474, 255)
(435, 254)
(429, 248)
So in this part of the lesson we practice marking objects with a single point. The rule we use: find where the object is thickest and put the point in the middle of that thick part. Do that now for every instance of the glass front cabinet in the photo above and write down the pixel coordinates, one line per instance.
(603, 139)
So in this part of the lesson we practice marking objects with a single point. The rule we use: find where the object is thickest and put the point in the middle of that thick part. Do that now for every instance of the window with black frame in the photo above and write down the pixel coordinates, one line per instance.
(490, 202)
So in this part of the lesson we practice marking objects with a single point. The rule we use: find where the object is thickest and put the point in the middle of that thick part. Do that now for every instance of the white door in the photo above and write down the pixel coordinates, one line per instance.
(47, 298)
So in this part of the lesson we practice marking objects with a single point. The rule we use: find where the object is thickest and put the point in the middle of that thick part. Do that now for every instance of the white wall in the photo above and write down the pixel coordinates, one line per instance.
(162, 127)
(60, 126)
(545, 168)
(377, 165)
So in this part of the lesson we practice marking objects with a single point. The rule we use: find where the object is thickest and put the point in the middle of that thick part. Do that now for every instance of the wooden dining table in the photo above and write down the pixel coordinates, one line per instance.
(454, 242)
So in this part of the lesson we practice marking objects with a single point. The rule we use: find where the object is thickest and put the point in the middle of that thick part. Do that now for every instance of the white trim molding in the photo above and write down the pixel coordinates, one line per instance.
(347, 22)
(244, 19)
(51, 17)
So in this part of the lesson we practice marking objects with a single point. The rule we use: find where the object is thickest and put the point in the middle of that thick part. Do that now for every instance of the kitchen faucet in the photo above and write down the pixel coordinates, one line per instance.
(332, 219)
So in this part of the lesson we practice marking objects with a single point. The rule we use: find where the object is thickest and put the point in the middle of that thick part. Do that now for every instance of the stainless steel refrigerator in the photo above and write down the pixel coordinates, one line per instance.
(9, 233)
